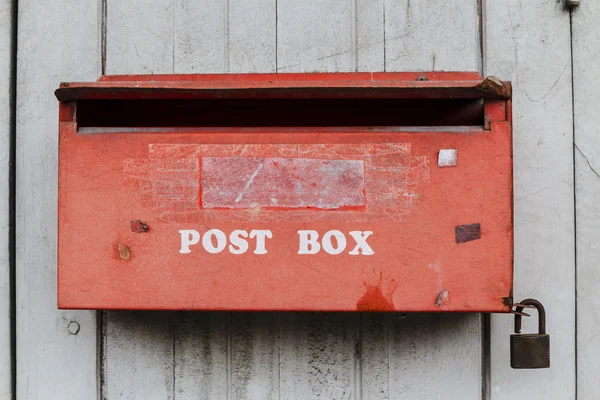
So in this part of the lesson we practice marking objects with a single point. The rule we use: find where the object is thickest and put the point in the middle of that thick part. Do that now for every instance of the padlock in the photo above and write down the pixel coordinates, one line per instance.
(532, 350)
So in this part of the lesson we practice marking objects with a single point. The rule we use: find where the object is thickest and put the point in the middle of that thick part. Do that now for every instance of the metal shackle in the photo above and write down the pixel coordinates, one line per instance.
(541, 315)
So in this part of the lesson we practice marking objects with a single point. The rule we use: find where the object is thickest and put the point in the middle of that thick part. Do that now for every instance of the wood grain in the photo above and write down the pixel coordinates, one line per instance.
(201, 356)
(435, 35)
(522, 36)
(139, 354)
(586, 56)
(6, 24)
(370, 39)
(57, 41)
(316, 35)
(317, 356)
(139, 37)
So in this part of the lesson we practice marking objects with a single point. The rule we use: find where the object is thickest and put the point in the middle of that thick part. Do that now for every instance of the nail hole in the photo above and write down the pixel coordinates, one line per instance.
(73, 327)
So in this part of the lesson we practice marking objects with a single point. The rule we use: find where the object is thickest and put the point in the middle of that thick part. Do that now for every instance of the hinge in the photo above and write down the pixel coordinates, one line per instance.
(571, 3)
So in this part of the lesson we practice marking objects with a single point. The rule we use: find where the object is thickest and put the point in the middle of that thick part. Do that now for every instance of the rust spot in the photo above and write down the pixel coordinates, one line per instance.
(375, 300)
(495, 86)
(508, 300)
(442, 299)
(124, 252)
(466, 233)
(138, 226)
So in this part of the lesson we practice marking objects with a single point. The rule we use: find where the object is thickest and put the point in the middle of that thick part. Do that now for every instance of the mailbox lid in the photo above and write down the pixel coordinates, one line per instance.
(329, 85)
(403, 219)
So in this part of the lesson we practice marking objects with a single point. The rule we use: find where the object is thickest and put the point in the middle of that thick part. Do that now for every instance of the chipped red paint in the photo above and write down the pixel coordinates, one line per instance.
(443, 299)
(138, 226)
(384, 193)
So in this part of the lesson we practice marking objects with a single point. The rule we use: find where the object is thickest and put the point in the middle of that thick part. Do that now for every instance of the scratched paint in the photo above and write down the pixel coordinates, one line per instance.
(243, 182)
(182, 182)
(168, 184)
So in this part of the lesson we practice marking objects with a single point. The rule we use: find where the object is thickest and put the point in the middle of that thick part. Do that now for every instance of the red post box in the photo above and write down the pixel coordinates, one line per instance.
(342, 192)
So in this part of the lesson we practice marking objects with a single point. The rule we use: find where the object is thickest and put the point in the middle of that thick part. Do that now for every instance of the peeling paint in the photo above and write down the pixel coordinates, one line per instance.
(170, 182)
(124, 252)
(442, 299)
(244, 182)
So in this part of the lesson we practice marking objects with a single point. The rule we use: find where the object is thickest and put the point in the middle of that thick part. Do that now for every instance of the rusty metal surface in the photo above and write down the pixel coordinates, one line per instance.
(530, 351)
(495, 86)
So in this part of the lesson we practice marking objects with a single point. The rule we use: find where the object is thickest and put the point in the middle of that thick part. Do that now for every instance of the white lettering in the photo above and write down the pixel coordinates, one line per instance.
(188, 238)
(333, 242)
(361, 243)
(339, 238)
(260, 239)
(207, 242)
(238, 244)
(308, 242)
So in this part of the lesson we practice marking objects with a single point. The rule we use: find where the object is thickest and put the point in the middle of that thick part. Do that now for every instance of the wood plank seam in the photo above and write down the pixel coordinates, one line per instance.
(11, 380)
(575, 147)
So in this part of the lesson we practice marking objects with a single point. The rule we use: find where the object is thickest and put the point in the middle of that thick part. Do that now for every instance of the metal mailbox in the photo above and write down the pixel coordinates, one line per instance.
(341, 192)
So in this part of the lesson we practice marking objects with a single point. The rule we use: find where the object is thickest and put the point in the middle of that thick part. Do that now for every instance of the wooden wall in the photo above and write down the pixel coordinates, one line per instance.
(550, 55)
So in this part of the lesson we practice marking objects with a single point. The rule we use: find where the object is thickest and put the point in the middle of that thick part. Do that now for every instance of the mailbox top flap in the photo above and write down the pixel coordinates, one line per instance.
(463, 85)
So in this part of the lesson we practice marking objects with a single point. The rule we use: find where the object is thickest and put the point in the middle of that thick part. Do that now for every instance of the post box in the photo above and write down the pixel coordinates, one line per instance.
(338, 192)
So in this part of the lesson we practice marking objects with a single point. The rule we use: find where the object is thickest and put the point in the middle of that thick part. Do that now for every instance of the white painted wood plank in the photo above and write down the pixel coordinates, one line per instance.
(139, 354)
(586, 61)
(201, 356)
(436, 35)
(370, 35)
(201, 40)
(528, 42)
(252, 36)
(316, 35)
(255, 356)
(139, 36)
(425, 356)
(56, 350)
(421, 356)
(5, 111)
(434, 356)
(373, 347)
(224, 36)
(317, 356)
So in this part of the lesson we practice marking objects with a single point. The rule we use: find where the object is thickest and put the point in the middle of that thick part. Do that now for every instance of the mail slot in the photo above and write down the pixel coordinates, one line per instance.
(337, 192)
